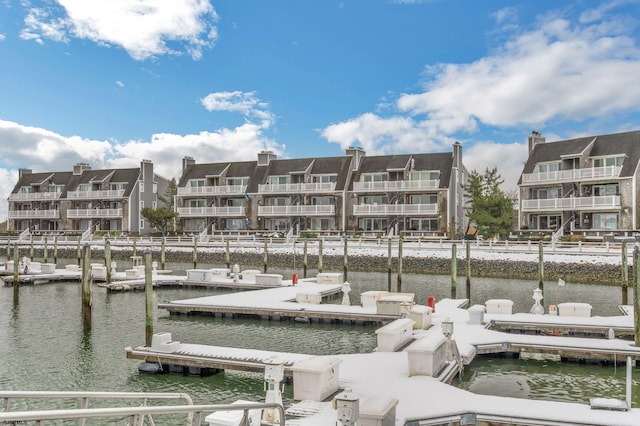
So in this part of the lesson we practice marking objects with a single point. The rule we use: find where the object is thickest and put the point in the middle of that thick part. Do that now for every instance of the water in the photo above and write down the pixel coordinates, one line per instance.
(43, 345)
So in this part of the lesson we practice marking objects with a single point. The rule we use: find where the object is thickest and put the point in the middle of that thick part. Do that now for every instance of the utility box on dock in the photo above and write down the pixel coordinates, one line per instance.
(99, 272)
(421, 315)
(330, 278)
(199, 275)
(369, 298)
(391, 303)
(48, 268)
(315, 378)
(476, 315)
(572, 309)
(274, 280)
(377, 411)
(394, 335)
(309, 297)
(427, 356)
(250, 275)
(499, 306)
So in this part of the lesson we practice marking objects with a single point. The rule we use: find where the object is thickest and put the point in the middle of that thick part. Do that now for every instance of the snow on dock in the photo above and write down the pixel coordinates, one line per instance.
(390, 378)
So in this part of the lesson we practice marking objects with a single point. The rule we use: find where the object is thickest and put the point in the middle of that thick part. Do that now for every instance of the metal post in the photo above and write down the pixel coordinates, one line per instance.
(305, 262)
(399, 284)
(454, 270)
(107, 258)
(86, 287)
(636, 296)
(625, 275)
(345, 268)
(320, 255)
(148, 293)
(468, 271)
(541, 268)
(389, 265)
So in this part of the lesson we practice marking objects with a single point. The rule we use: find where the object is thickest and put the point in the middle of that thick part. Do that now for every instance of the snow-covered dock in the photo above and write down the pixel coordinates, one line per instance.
(395, 381)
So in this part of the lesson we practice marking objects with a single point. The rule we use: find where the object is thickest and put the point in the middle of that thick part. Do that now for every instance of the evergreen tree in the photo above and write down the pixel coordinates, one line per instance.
(160, 218)
(489, 208)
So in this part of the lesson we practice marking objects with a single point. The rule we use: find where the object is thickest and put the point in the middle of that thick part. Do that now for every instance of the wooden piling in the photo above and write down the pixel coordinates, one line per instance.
(454, 270)
(31, 247)
(162, 253)
(148, 293)
(135, 248)
(625, 274)
(305, 260)
(468, 271)
(320, 255)
(86, 287)
(345, 266)
(389, 265)
(227, 256)
(8, 249)
(55, 249)
(541, 268)
(265, 257)
(107, 259)
(45, 251)
(399, 281)
(195, 252)
(79, 253)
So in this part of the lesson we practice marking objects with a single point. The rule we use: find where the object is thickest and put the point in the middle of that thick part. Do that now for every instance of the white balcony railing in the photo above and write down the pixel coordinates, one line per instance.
(573, 203)
(399, 185)
(93, 213)
(212, 190)
(96, 195)
(573, 175)
(34, 196)
(34, 214)
(394, 209)
(300, 188)
(211, 211)
(317, 210)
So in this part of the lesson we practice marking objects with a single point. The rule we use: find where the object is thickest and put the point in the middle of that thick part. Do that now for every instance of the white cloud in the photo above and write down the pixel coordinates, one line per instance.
(144, 28)
(119, 83)
(557, 70)
(245, 103)
(2, 37)
(508, 158)
(42, 150)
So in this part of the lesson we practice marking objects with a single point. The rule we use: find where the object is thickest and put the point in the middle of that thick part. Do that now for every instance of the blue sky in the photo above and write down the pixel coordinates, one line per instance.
(111, 82)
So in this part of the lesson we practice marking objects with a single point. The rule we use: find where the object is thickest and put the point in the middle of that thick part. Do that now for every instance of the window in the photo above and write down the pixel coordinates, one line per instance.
(424, 176)
(324, 178)
(374, 177)
(238, 181)
(370, 224)
(423, 224)
(84, 187)
(548, 167)
(277, 201)
(196, 183)
(374, 199)
(197, 203)
(322, 201)
(605, 221)
(545, 193)
(26, 190)
(606, 189)
(608, 161)
(278, 180)
(116, 186)
(423, 199)
(235, 224)
(323, 224)
(545, 221)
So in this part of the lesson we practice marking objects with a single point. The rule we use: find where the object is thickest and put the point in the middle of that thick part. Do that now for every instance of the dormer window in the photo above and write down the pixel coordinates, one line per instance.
(608, 161)
(548, 167)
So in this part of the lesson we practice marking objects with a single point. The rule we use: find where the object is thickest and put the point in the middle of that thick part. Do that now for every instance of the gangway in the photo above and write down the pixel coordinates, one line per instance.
(139, 415)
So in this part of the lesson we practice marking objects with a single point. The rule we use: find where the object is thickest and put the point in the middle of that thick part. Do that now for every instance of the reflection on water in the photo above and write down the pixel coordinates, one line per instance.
(43, 345)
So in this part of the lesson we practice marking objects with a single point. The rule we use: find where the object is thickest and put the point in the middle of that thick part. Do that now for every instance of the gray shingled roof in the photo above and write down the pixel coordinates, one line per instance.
(421, 162)
(618, 143)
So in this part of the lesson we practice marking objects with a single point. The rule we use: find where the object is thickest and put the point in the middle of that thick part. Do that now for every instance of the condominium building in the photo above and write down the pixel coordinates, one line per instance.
(586, 186)
(419, 193)
(106, 200)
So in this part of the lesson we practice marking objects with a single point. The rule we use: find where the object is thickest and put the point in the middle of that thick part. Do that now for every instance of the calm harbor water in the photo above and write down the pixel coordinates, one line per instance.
(43, 345)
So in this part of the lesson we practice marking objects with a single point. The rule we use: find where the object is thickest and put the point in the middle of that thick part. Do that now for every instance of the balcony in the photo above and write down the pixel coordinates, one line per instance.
(297, 188)
(398, 185)
(394, 209)
(34, 196)
(96, 195)
(94, 213)
(317, 210)
(608, 202)
(212, 190)
(34, 214)
(211, 211)
(574, 175)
